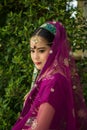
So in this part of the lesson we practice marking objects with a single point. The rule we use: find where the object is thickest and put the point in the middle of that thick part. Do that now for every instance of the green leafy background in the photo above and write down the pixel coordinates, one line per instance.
(18, 19)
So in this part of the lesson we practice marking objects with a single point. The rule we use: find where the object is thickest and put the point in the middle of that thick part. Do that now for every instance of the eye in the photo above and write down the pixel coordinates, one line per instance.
(41, 51)
(32, 51)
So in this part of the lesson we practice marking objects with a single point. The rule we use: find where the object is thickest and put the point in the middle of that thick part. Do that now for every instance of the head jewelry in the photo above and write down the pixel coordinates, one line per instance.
(51, 28)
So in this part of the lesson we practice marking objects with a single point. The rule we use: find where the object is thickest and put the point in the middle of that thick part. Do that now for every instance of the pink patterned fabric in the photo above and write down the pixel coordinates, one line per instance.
(57, 87)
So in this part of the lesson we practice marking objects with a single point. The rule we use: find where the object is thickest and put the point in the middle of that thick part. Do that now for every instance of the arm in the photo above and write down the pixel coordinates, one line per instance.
(44, 117)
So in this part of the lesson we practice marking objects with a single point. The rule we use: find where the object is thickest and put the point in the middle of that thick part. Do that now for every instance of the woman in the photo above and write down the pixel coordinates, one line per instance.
(55, 101)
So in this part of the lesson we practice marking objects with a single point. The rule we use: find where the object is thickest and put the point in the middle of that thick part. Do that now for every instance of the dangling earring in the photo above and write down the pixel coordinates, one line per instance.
(50, 51)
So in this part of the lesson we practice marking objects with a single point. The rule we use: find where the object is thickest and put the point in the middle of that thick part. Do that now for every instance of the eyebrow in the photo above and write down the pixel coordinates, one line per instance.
(38, 48)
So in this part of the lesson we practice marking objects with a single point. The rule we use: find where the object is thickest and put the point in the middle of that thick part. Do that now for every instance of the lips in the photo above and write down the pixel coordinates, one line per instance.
(37, 63)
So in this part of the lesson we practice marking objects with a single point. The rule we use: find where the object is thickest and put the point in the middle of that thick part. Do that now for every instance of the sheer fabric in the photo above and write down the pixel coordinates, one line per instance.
(56, 91)
(44, 117)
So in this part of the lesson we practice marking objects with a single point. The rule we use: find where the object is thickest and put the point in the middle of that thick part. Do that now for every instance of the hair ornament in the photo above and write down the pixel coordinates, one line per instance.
(51, 28)
(36, 39)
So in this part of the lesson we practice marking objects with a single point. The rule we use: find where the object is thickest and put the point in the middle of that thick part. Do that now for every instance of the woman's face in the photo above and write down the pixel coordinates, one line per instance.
(39, 51)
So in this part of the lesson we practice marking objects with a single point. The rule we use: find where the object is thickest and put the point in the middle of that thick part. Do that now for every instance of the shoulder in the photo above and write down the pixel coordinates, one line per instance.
(55, 79)
(53, 88)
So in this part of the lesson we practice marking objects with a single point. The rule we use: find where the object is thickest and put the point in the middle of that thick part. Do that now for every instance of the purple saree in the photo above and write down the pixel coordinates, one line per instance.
(58, 85)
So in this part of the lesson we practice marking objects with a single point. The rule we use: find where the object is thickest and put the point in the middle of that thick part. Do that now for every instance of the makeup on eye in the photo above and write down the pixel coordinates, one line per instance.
(32, 51)
(41, 49)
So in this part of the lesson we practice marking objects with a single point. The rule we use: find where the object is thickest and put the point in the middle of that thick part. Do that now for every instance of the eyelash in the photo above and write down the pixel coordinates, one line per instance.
(41, 51)
(31, 51)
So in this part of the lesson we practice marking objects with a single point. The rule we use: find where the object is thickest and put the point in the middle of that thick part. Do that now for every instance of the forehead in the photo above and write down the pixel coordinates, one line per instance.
(38, 41)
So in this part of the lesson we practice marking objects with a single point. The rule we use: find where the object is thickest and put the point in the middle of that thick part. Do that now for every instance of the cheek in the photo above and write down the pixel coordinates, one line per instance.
(31, 56)
(46, 55)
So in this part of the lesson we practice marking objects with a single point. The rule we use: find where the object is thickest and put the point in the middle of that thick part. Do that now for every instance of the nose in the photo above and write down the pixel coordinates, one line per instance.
(36, 55)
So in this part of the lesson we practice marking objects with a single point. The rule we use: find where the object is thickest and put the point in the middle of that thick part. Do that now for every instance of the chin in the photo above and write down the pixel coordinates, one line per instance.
(39, 68)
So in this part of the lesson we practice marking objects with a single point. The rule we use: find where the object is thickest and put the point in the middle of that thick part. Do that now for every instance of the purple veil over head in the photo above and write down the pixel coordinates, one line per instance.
(59, 61)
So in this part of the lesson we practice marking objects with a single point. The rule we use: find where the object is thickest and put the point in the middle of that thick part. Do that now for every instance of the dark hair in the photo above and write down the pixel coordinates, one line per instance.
(45, 34)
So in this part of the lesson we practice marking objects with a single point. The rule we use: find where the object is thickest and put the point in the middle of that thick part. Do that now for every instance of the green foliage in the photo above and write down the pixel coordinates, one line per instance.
(19, 19)
(82, 66)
